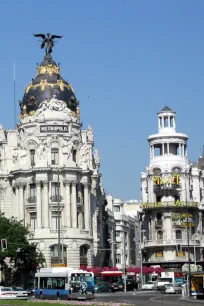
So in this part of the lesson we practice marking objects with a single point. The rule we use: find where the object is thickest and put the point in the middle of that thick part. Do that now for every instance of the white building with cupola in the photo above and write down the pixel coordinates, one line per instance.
(172, 199)
(48, 166)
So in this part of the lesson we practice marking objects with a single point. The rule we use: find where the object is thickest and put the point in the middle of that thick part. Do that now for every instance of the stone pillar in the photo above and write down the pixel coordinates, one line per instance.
(180, 149)
(39, 207)
(17, 201)
(169, 122)
(168, 148)
(167, 226)
(153, 151)
(87, 211)
(67, 208)
(74, 205)
(162, 148)
(150, 151)
(45, 205)
(21, 202)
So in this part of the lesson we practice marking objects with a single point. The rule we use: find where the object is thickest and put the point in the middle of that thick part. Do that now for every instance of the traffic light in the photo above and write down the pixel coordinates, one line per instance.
(3, 244)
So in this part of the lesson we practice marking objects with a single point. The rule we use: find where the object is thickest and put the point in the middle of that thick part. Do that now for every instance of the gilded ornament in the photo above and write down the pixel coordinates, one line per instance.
(29, 87)
(50, 69)
(43, 84)
(78, 112)
(24, 109)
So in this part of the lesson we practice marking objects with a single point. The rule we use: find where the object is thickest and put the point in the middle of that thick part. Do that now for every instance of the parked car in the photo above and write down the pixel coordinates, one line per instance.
(131, 284)
(102, 287)
(7, 293)
(173, 288)
(148, 286)
(30, 291)
(20, 292)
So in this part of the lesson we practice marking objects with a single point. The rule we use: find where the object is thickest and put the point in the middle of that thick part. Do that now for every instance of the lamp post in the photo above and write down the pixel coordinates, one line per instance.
(58, 206)
(140, 247)
(195, 235)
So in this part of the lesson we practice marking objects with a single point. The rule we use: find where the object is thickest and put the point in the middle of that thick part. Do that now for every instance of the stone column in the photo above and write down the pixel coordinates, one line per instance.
(74, 205)
(179, 149)
(21, 202)
(45, 205)
(39, 207)
(150, 151)
(169, 122)
(162, 148)
(87, 211)
(168, 148)
(17, 201)
(67, 208)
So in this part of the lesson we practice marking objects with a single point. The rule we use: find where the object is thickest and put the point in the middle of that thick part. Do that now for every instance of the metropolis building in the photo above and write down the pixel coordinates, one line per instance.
(172, 198)
(49, 147)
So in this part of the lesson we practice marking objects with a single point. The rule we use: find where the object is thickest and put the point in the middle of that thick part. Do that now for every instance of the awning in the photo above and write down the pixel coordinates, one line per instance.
(112, 273)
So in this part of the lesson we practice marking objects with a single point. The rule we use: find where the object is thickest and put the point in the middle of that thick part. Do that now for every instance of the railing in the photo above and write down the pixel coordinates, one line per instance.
(149, 243)
(55, 198)
(32, 200)
(170, 204)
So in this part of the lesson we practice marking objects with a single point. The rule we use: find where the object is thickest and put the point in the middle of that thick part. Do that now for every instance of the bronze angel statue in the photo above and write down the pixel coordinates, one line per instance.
(47, 41)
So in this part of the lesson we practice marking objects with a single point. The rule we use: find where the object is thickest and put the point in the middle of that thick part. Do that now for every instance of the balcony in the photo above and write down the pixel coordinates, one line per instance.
(158, 224)
(32, 200)
(55, 198)
(152, 243)
(170, 204)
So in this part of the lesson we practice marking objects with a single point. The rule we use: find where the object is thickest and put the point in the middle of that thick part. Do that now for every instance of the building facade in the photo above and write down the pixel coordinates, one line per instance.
(172, 199)
(49, 166)
(123, 235)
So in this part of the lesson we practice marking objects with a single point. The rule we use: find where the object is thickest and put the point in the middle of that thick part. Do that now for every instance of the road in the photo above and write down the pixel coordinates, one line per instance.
(141, 298)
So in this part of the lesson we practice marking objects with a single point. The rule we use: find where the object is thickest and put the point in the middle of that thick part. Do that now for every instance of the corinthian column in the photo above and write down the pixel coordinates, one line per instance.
(74, 205)
(45, 205)
(87, 211)
(21, 202)
(17, 201)
(67, 209)
(39, 214)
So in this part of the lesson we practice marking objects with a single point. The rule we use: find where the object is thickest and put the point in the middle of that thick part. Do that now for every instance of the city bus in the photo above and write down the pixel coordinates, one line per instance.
(64, 284)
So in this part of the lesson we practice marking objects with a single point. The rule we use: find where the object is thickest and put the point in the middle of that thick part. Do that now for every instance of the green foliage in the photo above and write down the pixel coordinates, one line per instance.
(25, 257)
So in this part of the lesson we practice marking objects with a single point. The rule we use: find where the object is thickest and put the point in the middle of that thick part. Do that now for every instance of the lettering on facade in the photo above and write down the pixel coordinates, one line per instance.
(173, 180)
(172, 265)
(54, 128)
(59, 265)
(169, 204)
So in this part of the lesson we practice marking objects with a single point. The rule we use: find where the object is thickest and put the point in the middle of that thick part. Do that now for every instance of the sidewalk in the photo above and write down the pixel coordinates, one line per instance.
(191, 300)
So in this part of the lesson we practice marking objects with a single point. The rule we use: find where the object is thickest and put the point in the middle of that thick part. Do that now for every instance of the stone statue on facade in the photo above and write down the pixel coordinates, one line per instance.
(47, 42)
(41, 151)
(96, 157)
(84, 157)
(90, 135)
(2, 134)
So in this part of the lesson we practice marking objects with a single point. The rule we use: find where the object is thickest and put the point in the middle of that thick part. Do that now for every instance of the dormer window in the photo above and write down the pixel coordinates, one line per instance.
(55, 156)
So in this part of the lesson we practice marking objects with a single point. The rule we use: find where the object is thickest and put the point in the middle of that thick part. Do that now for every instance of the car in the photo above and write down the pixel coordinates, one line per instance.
(148, 286)
(131, 284)
(20, 293)
(102, 287)
(7, 293)
(172, 288)
(30, 291)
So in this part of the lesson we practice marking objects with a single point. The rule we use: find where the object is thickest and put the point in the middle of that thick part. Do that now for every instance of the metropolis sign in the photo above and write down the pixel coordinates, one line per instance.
(53, 128)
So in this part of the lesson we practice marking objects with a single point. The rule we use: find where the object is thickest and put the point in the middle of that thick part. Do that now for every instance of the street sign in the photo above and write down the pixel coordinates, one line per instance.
(3, 244)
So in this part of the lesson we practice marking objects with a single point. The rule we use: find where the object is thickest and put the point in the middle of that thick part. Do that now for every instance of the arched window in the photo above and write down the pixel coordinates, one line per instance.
(159, 235)
(179, 234)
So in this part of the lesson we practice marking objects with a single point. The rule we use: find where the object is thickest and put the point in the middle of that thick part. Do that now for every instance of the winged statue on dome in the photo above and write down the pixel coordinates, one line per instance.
(47, 42)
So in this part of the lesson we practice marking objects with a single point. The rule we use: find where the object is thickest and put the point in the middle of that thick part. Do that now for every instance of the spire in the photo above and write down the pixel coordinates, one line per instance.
(166, 109)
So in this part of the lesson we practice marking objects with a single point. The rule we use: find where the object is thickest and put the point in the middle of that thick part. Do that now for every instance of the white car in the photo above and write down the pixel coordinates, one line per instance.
(7, 293)
(173, 288)
(148, 286)
(20, 292)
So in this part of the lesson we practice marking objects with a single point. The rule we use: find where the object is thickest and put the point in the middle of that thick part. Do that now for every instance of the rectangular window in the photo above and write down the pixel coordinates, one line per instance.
(33, 221)
(118, 258)
(54, 156)
(32, 190)
(54, 222)
(116, 208)
(32, 158)
(55, 191)
(74, 153)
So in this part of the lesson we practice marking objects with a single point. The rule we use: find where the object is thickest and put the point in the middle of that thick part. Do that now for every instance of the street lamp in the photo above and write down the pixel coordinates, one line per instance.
(141, 257)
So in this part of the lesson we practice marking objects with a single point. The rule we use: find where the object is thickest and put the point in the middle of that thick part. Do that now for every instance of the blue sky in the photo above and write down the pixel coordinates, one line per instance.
(126, 59)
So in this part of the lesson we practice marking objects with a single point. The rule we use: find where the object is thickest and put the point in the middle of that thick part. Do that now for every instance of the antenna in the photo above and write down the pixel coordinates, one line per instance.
(14, 93)
(203, 151)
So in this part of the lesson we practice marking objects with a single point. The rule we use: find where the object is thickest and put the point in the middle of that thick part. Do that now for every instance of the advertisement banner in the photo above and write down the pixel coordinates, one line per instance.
(197, 286)
(159, 254)
(181, 219)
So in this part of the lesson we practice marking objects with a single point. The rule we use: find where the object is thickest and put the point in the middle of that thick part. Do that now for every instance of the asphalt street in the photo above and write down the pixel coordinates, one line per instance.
(141, 298)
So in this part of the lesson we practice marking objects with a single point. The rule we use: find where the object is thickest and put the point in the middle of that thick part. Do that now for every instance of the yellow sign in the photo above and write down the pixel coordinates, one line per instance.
(197, 286)
(180, 254)
(183, 219)
(59, 265)
(170, 204)
(175, 179)
(159, 254)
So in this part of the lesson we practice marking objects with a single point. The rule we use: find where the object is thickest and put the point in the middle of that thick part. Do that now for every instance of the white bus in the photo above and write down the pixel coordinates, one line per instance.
(64, 283)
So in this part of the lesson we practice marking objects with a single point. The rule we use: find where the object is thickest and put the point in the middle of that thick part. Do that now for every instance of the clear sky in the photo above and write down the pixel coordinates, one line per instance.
(126, 60)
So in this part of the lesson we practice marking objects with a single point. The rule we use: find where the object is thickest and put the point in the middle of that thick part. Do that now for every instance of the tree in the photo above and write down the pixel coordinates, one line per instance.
(194, 268)
(22, 257)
